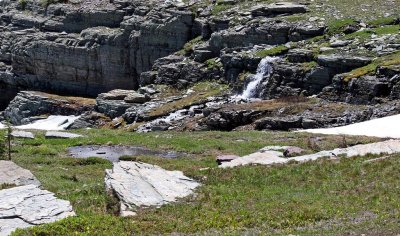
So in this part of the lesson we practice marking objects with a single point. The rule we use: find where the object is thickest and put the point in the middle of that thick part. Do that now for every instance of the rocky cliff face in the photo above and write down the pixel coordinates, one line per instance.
(88, 47)
(186, 65)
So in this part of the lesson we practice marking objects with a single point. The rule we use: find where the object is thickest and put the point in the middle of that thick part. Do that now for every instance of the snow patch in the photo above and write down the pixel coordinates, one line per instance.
(387, 127)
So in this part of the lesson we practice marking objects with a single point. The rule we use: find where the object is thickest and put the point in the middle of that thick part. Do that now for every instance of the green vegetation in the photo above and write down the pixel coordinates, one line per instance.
(213, 64)
(5, 186)
(389, 60)
(311, 198)
(308, 66)
(22, 4)
(275, 51)
(382, 21)
(337, 26)
(366, 34)
(188, 47)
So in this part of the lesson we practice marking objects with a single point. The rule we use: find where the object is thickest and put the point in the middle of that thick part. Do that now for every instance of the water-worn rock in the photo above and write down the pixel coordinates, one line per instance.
(12, 174)
(138, 185)
(27, 206)
(61, 135)
(267, 157)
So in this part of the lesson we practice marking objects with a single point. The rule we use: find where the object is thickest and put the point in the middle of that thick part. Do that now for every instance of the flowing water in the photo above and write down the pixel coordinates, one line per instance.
(264, 70)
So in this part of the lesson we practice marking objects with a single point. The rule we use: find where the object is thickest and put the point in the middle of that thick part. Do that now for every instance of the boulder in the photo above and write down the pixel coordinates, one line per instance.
(27, 206)
(12, 174)
(138, 184)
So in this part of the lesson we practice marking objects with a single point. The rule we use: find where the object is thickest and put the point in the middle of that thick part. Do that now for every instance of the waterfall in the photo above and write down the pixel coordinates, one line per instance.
(264, 69)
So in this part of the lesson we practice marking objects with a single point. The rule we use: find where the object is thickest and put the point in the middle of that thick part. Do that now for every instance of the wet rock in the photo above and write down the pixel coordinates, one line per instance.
(27, 206)
(22, 134)
(12, 174)
(138, 185)
(61, 135)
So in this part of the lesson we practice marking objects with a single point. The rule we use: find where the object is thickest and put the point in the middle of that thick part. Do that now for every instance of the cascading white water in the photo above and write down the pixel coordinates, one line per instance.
(264, 69)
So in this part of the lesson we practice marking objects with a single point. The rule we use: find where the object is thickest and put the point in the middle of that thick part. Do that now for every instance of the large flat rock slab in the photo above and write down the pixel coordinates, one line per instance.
(22, 134)
(138, 184)
(61, 135)
(26, 206)
(12, 174)
(269, 156)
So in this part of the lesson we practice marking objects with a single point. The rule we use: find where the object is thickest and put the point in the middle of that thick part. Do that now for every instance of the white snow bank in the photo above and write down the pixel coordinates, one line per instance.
(51, 123)
(387, 127)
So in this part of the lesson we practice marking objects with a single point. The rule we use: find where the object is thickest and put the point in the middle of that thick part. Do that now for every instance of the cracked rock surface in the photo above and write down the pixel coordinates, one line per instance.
(10, 173)
(138, 184)
(26, 206)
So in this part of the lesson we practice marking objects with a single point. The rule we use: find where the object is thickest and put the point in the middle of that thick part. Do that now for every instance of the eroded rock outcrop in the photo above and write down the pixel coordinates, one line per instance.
(138, 185)
(29, 104)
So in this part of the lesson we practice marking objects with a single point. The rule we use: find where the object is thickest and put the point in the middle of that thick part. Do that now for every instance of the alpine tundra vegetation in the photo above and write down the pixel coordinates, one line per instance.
(199, 117)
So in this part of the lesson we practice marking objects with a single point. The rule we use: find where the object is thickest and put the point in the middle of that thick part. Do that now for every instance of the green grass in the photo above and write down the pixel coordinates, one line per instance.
(337, 26)
(366, 34)
(388, 60)
(275, 51)
(283, 199)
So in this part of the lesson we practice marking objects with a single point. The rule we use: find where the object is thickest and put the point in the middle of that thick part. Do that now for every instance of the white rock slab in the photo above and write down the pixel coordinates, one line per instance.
(138, 184)
(61, 135)
(10, 173)
(51, 123)
(266, 157)
(26, 206)
(387, 127)
(22, 134)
